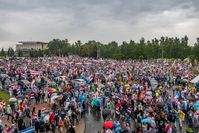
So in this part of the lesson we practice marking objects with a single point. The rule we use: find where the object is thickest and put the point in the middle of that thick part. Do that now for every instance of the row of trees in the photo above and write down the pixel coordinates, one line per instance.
(9, 53)
(12, 53)
(165, 47)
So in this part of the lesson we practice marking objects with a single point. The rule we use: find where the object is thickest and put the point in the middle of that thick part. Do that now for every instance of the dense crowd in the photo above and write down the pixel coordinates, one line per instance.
(132, 96)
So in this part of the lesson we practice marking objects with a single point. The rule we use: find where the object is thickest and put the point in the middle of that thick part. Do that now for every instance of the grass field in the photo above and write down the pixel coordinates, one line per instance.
(4, 96)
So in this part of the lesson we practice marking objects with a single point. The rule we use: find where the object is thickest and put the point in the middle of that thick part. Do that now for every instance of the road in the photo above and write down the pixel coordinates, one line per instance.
(94, 122)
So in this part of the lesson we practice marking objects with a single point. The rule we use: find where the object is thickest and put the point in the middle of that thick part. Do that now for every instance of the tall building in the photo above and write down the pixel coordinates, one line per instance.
(31, 45)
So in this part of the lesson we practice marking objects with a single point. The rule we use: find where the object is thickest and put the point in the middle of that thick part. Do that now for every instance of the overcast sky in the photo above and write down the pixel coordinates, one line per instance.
(101, 20)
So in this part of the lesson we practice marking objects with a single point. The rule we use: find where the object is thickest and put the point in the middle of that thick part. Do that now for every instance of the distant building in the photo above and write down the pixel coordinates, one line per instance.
(30, 45)
(23, 48)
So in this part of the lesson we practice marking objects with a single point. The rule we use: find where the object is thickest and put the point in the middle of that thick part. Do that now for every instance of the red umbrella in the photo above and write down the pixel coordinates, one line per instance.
(108, 124)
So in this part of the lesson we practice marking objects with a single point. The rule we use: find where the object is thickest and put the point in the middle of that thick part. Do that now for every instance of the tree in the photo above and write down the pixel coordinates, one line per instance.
(3, 53)
(20, 53)
(84, 51)
(59, 47)
(31, 53)
(11, 52)
(196, 50)
(40, 53)
(166, 47)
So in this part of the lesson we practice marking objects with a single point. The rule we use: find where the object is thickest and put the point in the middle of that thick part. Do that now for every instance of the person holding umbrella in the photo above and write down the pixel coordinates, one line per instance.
(105, 113)
(161, 127)
(124, 128)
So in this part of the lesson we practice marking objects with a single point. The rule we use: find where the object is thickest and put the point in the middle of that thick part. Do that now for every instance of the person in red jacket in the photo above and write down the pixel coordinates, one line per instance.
(168, 128)
(52, 117)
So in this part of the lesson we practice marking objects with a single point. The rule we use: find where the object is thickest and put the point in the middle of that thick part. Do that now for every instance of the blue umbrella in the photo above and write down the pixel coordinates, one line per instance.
(196, 85)
(43, 116)
(92, 103)
(95, 102)
(116, 125)
(146, 120)
(82, 98)
(196, 105)
(85, 79)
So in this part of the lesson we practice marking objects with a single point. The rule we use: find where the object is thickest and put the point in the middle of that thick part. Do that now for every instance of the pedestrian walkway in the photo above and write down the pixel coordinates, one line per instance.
(80, 128)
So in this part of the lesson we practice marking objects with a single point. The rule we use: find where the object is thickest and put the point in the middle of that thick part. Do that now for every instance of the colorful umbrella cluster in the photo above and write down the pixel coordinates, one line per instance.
(52, 90)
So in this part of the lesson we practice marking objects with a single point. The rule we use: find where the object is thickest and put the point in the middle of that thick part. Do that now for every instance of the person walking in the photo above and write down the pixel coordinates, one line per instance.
(27, 121)
(53, 127)
(9, 113)
(71, 129)
(60, 125)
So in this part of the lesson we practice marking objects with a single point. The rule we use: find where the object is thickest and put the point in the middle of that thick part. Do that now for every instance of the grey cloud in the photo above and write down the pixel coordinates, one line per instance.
(4, 35)
(104, 20)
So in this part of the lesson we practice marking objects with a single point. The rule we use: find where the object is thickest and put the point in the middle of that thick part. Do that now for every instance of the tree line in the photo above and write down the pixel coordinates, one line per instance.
(164, 47)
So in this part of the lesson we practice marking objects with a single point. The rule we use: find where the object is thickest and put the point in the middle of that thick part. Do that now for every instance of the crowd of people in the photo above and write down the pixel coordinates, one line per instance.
(132, 96)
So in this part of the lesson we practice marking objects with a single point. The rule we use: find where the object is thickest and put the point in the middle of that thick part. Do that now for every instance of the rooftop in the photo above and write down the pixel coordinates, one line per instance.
(32, 42)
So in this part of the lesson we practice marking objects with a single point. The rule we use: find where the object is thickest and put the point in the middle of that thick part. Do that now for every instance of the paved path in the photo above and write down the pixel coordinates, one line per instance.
(80, 127)
(94, 122)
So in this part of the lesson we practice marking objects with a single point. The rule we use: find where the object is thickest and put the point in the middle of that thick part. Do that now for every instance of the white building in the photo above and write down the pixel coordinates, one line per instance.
(30, 45)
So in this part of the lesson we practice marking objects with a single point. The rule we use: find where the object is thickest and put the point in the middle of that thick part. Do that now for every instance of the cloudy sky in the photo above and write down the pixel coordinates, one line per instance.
(101, 20)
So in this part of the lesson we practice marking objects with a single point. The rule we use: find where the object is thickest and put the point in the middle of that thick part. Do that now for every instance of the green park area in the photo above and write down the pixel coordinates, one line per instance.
(4, 96)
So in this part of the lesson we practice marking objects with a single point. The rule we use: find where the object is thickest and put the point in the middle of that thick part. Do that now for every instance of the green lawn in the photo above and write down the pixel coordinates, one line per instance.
(4, 96)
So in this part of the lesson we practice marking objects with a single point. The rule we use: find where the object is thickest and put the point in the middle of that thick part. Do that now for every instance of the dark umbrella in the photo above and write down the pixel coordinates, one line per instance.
(160, 104)
(26, 82)
(190, 98)
(106, 112)
(20, 97)
(149, 110)
(27, 91)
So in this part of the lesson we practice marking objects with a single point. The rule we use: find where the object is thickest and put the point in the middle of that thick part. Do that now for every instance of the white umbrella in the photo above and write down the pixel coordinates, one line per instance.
(54, 98)
(13, 100)
(54, 94)
(47, 118)
(195, 80)
(4, 75)
(148, 93)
